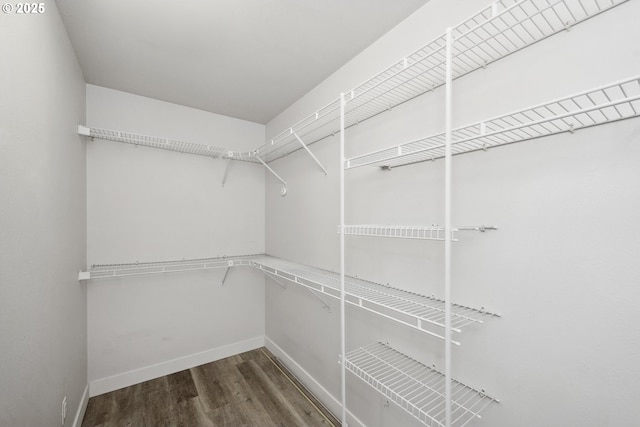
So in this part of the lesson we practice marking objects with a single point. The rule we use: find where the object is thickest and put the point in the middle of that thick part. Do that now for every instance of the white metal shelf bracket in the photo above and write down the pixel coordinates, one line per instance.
(284, 183)
(276, 279)
(226, 171)
(315, 159)
(226, 273)
(325, 306)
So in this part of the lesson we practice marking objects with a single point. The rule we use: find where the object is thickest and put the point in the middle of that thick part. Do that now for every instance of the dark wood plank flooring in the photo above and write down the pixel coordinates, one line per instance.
(251, 389)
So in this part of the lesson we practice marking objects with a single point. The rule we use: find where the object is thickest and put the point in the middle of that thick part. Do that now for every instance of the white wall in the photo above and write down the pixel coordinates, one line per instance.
(146, 204)
(43, 326)
(561, 269)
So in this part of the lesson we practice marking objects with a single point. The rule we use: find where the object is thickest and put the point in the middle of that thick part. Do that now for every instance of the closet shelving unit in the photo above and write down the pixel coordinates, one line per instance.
(181, 147)
(413, 310)
(417, 388)
(499, 30)
(417, 311)
(166, 144)
(110, 271)
(413, 232)
(606, 104)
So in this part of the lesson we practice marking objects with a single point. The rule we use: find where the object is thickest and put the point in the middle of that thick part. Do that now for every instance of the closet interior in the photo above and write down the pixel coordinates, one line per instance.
(400, 219)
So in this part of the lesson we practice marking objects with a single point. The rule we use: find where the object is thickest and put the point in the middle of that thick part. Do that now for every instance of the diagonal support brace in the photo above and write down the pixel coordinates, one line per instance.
(226, 273)
(325, 306)
(276, 279)
(226, 171)
(271, 170)
(310, 153)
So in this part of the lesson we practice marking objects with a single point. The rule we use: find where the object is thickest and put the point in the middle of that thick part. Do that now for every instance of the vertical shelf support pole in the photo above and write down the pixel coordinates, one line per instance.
(447, 229)
(343, 345)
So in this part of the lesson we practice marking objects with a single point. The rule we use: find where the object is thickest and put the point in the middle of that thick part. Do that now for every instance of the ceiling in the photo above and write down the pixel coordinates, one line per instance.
(248, 59)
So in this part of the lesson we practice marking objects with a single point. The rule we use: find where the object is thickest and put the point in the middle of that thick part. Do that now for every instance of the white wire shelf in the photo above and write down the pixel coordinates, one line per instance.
(411, 309)
(414, 232)
(106, 271)
(500, 29)
(166, 144)
(602, 105)
(433, 232)
(421, 312)
(415, 387)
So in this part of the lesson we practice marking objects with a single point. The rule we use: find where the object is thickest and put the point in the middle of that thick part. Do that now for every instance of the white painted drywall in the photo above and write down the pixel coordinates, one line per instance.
(147, 204)
(43, 324)
(562, 268)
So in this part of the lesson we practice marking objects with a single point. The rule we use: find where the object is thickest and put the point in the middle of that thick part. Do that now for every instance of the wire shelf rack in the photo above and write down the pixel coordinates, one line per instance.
(106, 271)
(414, 310)
(166, 144)
(414, 232)
(433, 232)
(417, 311)
(605, 104)
(415, 387)
(502, 28)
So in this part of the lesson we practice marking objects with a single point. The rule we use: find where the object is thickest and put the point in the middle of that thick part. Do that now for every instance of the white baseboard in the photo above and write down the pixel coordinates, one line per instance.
(331, 402)
(126, 379)
(82, 407)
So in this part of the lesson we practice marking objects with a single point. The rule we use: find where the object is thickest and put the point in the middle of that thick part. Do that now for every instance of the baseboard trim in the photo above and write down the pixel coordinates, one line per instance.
(82, 407)
(126, 379)
(330, 401)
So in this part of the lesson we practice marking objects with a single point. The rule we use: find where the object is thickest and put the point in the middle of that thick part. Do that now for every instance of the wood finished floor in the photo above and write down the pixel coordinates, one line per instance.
(251, 389)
